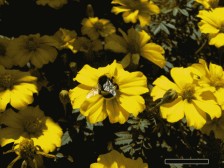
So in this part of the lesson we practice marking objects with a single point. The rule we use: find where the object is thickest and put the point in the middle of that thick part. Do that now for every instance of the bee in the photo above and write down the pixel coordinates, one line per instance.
(105, 87)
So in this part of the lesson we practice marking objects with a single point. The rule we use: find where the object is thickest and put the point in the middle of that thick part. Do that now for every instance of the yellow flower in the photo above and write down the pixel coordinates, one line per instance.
(30, 123)
(193, 101)
(213, 25)
(36, 49)
(66, 38)
(108, 91)
(135, 10)
(29, 153)
(114, 159)
(56, 4)
(207, 4)
(216, 125)
(16, 88)
(135, 44)
(212, 76)
(5, 59)
(94, 27)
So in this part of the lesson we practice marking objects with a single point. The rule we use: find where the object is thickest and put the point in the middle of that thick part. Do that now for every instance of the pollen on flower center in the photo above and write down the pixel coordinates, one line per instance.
(188, 93)
(33, 126)
(27, 149)
(31, 44)
(2, 50)
(6, 80)
(98, 26)
(107, 88)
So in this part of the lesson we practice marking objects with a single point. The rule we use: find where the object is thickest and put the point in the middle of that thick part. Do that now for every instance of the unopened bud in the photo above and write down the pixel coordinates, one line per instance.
(89, 11)
(63, 96)
(169, 96)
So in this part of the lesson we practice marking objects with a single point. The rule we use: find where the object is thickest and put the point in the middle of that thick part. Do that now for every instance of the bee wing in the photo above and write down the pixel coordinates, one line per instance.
(92, 92)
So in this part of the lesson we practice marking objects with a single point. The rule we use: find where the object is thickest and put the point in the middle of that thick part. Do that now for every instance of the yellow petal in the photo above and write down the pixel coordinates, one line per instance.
(215, 70)
(143, 38)
(94, 109)
(134, 83)
(207, 28)
(132, 104)
(130, 16)
(88, 76)
(116, 44)
(210, 108)
(193, 116)
(181, 76)
(217, 40)
(219, 96)
(4, 99)
(173, 111)
(8, 135)
(79, 94)
(11, 119)
(126, 61)
(144, 20)
(154, 53)
(20, 97)
(116, 10)
(115, 112)
(208, 18)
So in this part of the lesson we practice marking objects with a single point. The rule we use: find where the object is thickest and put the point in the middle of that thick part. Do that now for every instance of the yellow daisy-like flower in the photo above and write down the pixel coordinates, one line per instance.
(135, 44)
(207, 4)
(193, 102)
(16, 88)
(212, 76)
(115, 159)
(66, 38)
(108, 91)
(216, 125)
(94, 27)
(36, 49)
(30, 154)
(56, 4)
(134, 10)
(5, 59)
(30, 123)
(213, 25)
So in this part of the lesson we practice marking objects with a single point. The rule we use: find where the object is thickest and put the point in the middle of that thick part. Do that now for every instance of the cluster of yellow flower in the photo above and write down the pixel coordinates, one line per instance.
(212, 22)
(111, 91)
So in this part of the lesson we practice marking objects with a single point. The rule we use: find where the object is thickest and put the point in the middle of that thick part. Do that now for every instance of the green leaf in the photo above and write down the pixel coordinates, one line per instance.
(66, 138)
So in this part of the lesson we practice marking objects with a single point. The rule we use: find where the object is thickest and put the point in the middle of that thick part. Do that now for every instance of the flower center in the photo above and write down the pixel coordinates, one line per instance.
(133, 47)
(98, 26)
(27, 149)
(31, 44)
(6, 80)
(188, 93)
(2, 50)
(107, 88)
(33, 126)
